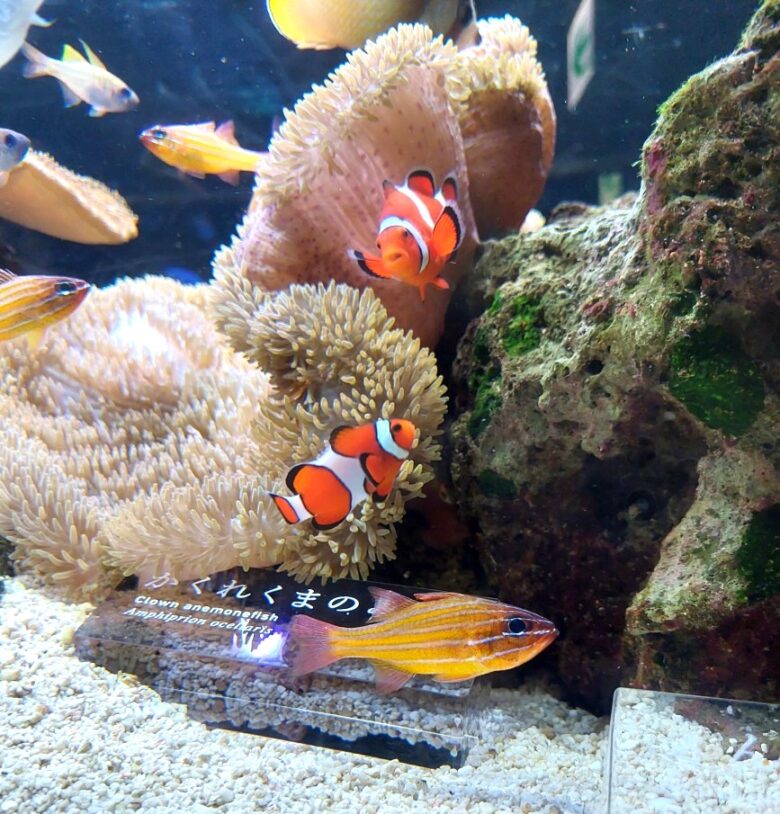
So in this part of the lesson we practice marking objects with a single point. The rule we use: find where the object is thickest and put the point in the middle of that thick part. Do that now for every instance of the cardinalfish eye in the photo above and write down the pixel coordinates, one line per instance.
(10, 140)
(125, 93)
(158, 134)
(516, 626)
(65, 287)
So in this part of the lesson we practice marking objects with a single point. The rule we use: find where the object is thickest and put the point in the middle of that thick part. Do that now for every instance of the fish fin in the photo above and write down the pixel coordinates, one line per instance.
(36, 19)
(69, 98)
(93, 58)
(70, 54)
(312, 639)
(291, 475)
(387, 602)
(370, 264)
(34, 338)
(432, 596)
(453, 257)
(445, 679)
(449, 189)
(96, 112)
(194, 174)
(207, 126)
(226, 131)
(37, 64)
(350, 441)
(447, 232)
(441, 283)
(229, 177)
(389, 679)
(367, 460)
(6, 276)
(388, 187)
(421, 182)
(286, 508)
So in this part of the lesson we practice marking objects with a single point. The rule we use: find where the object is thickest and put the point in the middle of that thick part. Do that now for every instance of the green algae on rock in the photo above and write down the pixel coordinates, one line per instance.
(620, 452)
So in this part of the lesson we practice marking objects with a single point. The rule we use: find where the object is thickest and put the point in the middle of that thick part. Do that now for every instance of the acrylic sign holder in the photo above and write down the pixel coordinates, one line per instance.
(219, 645)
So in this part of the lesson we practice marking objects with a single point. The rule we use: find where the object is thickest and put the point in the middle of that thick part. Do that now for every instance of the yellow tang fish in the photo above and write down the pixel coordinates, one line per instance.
(82, 80)
(348, 24)
(451, 637)
(200, 149)
(28, 305)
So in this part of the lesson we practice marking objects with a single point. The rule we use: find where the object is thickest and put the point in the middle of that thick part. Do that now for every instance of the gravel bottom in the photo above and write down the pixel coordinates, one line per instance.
(77, 738)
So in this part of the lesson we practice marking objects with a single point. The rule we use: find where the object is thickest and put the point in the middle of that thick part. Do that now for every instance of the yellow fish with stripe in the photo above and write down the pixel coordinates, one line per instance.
(28, 305)
(201, 149)
(82, 79)
(348, 24)
(451, 637)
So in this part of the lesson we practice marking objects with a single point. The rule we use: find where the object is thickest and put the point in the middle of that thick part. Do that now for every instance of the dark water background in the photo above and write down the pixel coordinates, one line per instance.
(198, 60)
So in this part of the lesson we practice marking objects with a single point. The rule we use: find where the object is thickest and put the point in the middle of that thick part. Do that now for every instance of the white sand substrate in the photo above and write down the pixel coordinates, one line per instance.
(77, 738)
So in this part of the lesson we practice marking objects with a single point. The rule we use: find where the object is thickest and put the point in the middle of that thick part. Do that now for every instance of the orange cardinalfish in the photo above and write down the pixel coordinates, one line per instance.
(419, 231)
(358, 462)
(451, 637)
(201, 149)
(28, 305)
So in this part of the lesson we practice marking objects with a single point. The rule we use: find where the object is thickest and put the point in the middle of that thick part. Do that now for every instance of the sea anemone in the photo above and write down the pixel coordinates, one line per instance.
(45, 196)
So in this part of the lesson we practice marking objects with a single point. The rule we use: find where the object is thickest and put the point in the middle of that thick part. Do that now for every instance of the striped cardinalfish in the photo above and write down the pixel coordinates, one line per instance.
(28, 305)
(358, 462)
(451, 637)
(201, 149)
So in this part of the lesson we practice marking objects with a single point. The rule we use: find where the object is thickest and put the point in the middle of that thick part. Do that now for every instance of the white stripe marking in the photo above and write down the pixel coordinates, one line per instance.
(387, 442)
(422, 209)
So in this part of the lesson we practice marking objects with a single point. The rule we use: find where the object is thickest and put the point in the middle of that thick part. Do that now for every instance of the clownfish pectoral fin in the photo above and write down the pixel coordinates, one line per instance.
(389, 679)
(449, 189)
(387, 187)
(286, 508)
(369, 463)
(229, 177)
(421, 182)
(446, 233)
(370, 264)
(441, 283)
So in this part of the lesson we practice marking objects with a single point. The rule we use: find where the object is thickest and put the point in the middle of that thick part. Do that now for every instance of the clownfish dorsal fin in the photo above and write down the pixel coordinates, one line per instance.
(421, 182)
(449, 189)
(387, 602)
(70, 54)
(93, 58)
(226, 131)
(447, 232)
(388, 187)
(6, 276)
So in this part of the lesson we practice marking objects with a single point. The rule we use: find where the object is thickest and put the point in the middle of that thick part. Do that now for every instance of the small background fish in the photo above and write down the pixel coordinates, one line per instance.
(29, 305)
(16, 17)
(13, 149)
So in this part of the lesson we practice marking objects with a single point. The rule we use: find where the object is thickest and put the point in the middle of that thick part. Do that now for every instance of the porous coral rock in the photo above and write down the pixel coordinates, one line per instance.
(396, 106)
(619, 443)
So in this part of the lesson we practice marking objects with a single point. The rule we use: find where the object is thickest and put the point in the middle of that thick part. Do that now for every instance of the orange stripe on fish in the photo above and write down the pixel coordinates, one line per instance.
(28, 305)
(419, 232)
(451, 637)
(358, 462)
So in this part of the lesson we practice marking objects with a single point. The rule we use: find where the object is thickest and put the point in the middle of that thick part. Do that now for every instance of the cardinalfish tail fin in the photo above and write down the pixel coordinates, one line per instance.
(37, 62)
(370, 264)
(312, 641)
(291, 508)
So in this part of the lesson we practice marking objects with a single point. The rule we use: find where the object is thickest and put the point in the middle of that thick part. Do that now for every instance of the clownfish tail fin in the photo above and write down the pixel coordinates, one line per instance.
(291, 508)
(370, 264)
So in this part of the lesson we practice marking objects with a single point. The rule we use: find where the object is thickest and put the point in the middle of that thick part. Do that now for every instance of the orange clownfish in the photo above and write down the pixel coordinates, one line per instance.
(358, 462)
(419, 231)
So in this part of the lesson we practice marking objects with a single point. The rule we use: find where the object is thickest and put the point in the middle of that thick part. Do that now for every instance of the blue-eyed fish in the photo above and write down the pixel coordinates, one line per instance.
(13, 149)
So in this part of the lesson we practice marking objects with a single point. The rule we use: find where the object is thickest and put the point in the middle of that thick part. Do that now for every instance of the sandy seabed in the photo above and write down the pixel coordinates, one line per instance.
(77, 738)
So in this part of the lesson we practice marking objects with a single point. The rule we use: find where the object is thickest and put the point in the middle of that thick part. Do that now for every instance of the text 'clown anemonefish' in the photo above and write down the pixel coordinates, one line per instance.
(419, 232)
(358, 462)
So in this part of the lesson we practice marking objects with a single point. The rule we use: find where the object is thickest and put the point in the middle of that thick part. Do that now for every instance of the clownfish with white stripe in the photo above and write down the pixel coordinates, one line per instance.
(420, 230)
(358, 462)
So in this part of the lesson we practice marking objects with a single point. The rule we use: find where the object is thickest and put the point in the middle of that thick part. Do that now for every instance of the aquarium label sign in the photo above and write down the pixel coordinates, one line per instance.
(580, 52)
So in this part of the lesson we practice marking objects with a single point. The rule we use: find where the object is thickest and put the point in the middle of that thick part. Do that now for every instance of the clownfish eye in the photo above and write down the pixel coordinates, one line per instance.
(516, 626)
(65, 287)
(396, 427)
